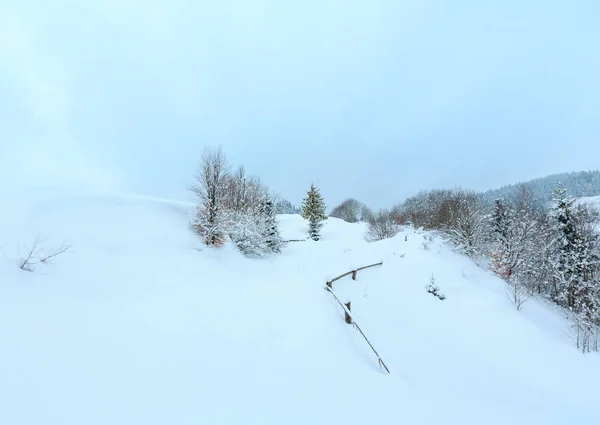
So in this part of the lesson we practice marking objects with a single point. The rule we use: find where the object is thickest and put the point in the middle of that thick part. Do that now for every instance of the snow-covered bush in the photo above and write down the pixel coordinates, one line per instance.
(352, 211)
(253, 227)
(381, 225)
(433, 289)
(234, 205)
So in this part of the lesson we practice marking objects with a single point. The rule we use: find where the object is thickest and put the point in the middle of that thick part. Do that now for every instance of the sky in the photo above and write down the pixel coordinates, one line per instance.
(373, 100)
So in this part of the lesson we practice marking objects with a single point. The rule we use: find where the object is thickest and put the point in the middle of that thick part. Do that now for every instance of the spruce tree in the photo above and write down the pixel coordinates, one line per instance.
(313, 210)
(271, 231)
(565, 267)
(502, 222)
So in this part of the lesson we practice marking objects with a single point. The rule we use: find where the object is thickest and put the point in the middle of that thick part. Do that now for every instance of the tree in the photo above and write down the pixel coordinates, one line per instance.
(283, 206)
(313, 210)
(502, 231)
(209, 187)
(352, 211)
(273, 240)
(466, 221)
(246, 233)
(512, 247)
(252, 221)
(382, 225)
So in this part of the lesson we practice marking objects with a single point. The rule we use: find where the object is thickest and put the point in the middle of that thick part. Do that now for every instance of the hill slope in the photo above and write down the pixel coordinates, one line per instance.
(140, 323)
(578, 184)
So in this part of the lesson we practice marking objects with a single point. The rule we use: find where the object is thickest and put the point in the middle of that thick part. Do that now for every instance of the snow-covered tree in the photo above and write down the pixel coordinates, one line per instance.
(576, 263)
(234, 205)
(283, 206)
(253, 224)
(512, 244)
(313, 210)
(466, 222)
(382, 225)
(565, 264)
(209, 186)
(502, 228)
(579, 184)
(352, 211)
(246, 234)
(272, 238)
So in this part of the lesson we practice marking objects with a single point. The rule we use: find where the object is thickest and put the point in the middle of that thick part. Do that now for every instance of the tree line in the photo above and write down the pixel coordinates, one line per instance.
(578, 184)
(538, 249)
(544, 249)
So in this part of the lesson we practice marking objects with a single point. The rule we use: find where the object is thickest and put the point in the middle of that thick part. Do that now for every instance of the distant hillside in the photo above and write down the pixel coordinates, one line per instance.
(578, 184)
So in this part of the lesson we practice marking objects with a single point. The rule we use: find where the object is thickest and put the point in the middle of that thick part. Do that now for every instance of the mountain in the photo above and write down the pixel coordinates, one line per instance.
(140, 323)
(578, 184)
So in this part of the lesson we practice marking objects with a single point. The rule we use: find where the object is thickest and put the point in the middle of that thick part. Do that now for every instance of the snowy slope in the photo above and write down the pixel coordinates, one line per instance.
(141, 324)
(590, 200)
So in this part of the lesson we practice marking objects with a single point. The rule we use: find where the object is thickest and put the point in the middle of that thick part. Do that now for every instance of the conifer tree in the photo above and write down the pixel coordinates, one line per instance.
(313, 210)
(270, 230)
(565, 267)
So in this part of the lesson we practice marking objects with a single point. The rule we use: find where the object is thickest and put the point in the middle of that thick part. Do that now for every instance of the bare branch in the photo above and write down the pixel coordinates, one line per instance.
(31, 255)
(47, 257)
(35, 254)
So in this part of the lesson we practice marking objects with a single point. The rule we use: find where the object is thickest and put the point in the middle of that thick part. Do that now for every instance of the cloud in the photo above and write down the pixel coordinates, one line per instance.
(374, 100)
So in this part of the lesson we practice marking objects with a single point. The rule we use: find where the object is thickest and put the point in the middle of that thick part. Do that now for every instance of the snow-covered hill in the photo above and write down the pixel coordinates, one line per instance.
(139, 323)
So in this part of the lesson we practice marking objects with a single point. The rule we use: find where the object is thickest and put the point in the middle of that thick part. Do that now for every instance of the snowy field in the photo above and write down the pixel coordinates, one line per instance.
(139, 323)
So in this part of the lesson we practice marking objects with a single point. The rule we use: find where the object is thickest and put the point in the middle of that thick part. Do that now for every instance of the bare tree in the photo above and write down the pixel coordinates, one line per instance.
(517, 293)
(466, 222)
(34, 254)
(30, 257)
(210, 186)
(381, 226)
(352, 211)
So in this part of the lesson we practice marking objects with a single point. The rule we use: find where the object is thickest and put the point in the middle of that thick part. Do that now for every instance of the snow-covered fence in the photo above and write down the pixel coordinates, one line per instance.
(348, 315)
(347, 312)
(351, 272)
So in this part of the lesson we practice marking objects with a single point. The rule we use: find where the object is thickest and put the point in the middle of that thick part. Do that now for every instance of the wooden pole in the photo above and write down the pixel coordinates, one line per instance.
(381, 363)
(348, 317)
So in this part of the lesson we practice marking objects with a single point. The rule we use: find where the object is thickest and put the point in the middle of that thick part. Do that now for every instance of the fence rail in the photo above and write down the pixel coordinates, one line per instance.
(351, 272)
(348, 313)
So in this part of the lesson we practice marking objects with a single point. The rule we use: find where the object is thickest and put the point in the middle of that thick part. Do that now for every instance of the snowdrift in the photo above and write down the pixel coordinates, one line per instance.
(139, 323)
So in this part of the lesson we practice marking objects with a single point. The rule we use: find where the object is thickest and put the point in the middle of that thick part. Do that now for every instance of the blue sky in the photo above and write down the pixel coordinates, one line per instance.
(374, 100)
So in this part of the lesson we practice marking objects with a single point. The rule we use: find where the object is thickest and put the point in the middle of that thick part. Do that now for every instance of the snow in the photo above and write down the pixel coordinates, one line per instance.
(139, 323)
(590, 200)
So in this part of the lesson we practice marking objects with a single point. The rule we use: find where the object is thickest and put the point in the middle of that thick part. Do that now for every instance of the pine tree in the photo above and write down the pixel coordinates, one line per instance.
(272, 238)
(565, 268)
(313, 210)
(501, 227)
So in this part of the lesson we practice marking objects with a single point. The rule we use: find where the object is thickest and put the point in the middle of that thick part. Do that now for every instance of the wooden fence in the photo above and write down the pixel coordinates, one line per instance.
(348, 313)
(351, 272)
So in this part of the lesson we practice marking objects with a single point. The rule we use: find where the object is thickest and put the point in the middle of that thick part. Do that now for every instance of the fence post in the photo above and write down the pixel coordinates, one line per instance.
(348, 318)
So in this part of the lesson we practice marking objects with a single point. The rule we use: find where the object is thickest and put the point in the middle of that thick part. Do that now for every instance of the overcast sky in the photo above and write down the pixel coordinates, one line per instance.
(370, 99)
